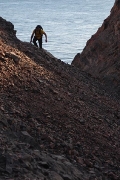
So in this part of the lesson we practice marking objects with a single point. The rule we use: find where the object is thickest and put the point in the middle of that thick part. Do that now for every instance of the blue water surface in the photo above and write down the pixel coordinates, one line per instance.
(68, 24)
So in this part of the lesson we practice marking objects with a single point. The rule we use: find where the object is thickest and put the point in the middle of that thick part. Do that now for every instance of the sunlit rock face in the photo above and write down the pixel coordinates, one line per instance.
(101, 55)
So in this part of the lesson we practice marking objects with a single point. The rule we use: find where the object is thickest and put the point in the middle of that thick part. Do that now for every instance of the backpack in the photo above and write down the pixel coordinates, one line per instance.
(38, 31)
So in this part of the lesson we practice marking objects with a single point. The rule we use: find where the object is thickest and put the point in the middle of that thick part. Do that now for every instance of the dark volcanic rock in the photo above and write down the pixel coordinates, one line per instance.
(101, 55)
(56, 122)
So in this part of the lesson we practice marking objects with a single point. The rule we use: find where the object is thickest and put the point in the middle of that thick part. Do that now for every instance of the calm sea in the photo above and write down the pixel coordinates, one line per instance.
(68, 23)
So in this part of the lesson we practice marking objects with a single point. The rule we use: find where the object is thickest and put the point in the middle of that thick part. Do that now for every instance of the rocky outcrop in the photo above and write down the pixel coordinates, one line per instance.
(101, 55)
(56, 122)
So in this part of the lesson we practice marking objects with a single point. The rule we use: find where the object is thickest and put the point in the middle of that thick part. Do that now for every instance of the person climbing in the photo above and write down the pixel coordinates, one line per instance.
(38, 33)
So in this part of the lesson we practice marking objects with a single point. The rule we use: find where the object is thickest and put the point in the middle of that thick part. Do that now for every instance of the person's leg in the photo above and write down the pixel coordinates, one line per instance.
(40, 43)
(34, 41)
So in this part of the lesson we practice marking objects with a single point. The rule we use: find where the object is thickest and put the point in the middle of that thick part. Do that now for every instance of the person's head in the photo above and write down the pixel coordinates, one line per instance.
(39, 27)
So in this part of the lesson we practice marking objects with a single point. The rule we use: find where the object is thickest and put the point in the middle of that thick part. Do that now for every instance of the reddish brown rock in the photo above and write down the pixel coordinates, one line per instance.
(101, 55)
(56, 122)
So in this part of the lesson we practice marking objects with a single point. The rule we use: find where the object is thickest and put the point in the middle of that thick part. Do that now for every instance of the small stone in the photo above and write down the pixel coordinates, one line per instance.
(44, 165)
(66, 177)
(55, 176)
(82, 121)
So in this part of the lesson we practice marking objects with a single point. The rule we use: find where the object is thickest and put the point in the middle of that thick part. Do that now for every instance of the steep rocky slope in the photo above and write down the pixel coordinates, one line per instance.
(56, 122)
(101, 55)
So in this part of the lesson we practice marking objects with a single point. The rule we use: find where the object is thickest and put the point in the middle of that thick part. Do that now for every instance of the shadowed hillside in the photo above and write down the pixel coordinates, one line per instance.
(56, 122)
(101, 55)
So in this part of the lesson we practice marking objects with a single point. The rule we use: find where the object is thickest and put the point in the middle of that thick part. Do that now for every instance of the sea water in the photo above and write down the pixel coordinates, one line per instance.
(69, 24)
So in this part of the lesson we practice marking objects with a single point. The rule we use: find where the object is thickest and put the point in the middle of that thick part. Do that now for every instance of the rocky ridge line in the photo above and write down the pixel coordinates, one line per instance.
(101, 55)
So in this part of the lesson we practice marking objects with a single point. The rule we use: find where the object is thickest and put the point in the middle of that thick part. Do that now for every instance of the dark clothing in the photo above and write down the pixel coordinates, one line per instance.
(39, 41)
(37, 36)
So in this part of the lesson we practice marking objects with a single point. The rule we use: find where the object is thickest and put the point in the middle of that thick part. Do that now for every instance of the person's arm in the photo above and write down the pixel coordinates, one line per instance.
(32, 36)
(45, 36)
